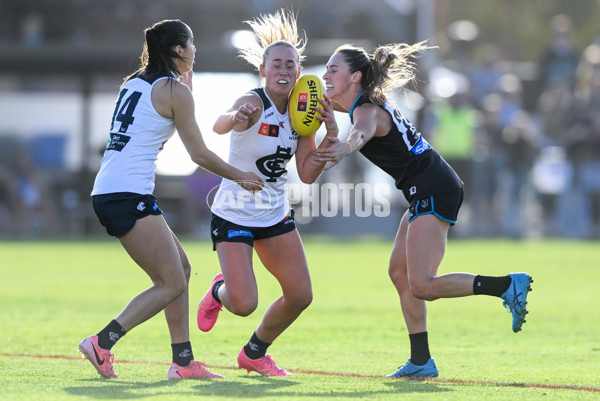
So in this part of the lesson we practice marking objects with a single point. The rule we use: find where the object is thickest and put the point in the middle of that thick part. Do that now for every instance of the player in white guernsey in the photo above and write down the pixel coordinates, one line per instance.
(263, 141)
(151, 105)
(356, 81)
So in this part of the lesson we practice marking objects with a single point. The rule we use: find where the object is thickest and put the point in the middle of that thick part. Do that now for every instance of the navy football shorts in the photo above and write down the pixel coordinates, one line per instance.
(119, 211)
(445, 206)
(222, 230)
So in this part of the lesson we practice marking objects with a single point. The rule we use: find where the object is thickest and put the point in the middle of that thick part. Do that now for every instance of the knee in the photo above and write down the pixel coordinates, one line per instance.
(176, 284)
(173, 289)
(179, 287)
(421, 290)
(303, 300)
(399, 279)
(187, 270)
(242, 306)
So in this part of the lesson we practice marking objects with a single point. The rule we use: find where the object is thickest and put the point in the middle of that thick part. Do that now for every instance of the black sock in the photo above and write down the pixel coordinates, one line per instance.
(487, 285)
(182, 353)
(419, 348)
(256, 348)
(109, 335)
(215, 290)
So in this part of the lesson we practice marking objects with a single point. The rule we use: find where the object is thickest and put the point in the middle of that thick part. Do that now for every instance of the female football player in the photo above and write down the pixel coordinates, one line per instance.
(356, 82)
(152, 103)
(262, 141)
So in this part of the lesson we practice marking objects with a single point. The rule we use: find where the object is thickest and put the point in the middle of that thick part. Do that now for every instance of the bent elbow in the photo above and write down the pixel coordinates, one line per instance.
(307, 178)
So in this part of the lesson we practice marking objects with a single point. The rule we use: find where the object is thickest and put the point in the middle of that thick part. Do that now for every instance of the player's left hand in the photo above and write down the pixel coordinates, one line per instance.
(327, 116)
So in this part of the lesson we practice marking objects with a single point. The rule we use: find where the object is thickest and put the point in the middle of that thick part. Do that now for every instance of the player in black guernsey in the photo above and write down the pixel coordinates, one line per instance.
(356, 82)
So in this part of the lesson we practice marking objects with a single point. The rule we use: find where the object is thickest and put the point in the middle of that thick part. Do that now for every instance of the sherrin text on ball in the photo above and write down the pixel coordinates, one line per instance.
(303, 104)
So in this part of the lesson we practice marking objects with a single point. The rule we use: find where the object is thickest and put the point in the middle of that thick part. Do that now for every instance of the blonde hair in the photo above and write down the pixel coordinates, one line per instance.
(391, 66)
(271, 30)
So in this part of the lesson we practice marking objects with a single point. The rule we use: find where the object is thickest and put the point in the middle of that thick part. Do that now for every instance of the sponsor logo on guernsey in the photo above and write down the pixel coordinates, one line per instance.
(269, 130)
(239, 233)
(421, 146)
(117, 142)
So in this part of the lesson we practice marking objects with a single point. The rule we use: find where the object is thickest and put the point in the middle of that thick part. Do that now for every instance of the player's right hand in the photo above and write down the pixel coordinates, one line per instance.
(244, 112)
(251, 182)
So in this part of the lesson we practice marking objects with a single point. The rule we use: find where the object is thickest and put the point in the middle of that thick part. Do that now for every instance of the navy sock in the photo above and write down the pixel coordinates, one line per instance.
(182, 353)
(256, 348)
(215, 290)
(419, 348)
(109, 335)
(487, 285)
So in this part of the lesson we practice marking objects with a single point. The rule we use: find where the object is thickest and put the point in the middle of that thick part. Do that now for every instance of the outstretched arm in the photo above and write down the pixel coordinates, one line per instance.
(244, 113)
(309, 168)
(187, 126)
(365, 125)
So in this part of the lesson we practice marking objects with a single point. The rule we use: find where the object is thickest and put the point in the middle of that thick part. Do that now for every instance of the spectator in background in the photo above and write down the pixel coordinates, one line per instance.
(32, 31)
(453, 135)
(513, 138)
(28, 200)
(576, 216)
(485, 74)
(557, 69)
(559, 61)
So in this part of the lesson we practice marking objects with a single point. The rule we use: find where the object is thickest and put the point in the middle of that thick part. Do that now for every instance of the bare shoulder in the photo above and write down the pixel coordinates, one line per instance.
(169, 95)
(248, 97)
(366, 111)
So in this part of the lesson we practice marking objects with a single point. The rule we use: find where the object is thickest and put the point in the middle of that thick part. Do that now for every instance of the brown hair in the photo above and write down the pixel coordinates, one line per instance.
(390, 67)
(158, 54)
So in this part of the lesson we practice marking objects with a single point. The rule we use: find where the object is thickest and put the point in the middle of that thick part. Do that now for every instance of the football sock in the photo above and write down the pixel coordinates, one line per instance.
(487, 285)
(419, 348)
(182, 353)
(256, 348)
(215, 290)
(109, 335)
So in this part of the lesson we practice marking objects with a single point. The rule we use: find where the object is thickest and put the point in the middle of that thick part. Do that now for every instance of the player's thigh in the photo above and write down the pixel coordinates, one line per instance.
(150, 244)
(283, 256)
(397, 267)
(235, 259)
(425, 246)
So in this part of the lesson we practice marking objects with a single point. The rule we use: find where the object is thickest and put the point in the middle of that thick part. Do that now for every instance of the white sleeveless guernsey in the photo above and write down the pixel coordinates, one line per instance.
(137, 134)
(265, 149)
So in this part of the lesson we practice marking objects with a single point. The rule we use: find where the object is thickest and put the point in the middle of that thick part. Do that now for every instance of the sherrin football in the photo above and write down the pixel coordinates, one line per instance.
(302, 104)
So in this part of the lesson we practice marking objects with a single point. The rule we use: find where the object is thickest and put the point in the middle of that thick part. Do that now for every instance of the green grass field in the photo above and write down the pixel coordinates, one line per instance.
(53, 294)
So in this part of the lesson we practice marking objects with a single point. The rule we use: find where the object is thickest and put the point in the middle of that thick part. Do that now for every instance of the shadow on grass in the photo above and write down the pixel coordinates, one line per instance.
(280, 388)
(252, 387)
